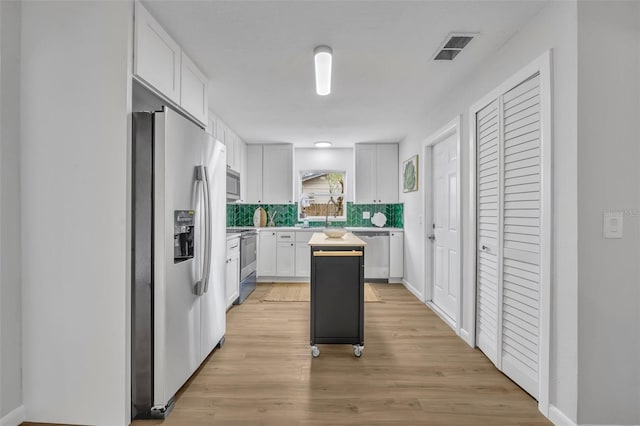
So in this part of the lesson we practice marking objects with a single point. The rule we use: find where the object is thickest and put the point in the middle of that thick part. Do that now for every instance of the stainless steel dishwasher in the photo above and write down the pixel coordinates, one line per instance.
(376, 255)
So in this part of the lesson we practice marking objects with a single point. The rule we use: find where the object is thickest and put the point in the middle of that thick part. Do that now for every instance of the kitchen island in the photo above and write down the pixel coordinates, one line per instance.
(337, 292)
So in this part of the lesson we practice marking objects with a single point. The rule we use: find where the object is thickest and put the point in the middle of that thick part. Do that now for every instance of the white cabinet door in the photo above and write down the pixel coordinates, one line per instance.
(303, 260)
(285, 265)
(211, 126)
(396, 254)
(233, 272)
(243, 171)
(253, 177)
(365, 173)
(376, 173)
(277, 173)
(267, 253)
(231, 149)
(387, 173)
(286, 259)
(156, 57)
(237, 153)
(194, 87)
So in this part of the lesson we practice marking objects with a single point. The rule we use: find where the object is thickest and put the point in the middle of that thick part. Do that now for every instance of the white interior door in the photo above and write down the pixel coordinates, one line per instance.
(446, 280)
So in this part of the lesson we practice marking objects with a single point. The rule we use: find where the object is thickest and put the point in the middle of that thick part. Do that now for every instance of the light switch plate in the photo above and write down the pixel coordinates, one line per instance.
(612, 225)
(366, 215)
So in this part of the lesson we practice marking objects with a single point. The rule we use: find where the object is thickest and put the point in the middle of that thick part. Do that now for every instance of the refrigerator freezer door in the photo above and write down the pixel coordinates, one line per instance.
(177, 151)
(213, 309)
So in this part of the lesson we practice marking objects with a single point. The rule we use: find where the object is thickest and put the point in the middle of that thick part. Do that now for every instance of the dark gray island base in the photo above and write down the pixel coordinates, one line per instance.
(337, 292)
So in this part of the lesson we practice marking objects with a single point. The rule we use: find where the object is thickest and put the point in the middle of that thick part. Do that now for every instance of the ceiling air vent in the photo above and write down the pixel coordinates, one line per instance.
(452, 46)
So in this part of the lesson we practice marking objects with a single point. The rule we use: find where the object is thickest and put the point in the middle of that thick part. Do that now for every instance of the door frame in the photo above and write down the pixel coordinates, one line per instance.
(541, 65)
(451, 128)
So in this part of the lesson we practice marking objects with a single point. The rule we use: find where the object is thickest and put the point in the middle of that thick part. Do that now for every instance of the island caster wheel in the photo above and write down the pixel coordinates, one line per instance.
(315, 352)
(357, 350)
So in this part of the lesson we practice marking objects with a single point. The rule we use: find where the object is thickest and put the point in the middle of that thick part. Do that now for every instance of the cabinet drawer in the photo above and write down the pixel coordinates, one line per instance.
(303, 236)
(286, 236)
(233, 245)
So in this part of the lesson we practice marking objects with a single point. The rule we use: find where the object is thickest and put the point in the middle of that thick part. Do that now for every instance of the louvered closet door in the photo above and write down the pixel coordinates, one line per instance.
(508, 262)
(521, 234)
(487, 262)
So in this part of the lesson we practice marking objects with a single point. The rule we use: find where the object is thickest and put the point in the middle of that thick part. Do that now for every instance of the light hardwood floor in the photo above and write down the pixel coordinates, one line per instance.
(414, 371)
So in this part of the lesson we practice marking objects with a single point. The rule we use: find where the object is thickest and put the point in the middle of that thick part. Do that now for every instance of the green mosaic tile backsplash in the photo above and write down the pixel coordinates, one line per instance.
(286, 214)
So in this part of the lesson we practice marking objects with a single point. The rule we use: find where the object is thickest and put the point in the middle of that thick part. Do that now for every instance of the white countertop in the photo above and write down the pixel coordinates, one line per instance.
(320, 239)
(321, 228)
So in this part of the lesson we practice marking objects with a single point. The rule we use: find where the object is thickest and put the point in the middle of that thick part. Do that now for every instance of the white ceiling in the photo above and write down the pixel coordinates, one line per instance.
(259, 57)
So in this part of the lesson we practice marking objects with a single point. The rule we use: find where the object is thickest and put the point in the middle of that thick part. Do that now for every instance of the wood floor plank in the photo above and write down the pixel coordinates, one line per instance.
(414, 371)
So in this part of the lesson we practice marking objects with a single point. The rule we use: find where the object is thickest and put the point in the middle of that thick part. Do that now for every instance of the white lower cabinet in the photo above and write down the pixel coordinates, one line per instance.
(303, 254)
(267, 246)
(232, 288)
(286, 254)
(396, 255)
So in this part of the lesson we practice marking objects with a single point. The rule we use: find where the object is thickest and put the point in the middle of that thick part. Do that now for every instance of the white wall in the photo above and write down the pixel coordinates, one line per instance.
(555, 27)
(608, 179)
(10, 320)
(325, 159)
(75, 130)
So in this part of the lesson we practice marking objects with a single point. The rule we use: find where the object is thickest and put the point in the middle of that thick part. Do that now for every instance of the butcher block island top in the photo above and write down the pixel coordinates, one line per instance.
(319, 239)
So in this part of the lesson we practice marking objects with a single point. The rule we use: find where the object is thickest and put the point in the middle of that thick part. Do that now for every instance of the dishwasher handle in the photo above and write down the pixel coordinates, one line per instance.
(369, 234)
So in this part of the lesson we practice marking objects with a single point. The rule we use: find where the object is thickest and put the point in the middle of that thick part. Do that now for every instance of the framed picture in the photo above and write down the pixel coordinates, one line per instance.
(410, 174)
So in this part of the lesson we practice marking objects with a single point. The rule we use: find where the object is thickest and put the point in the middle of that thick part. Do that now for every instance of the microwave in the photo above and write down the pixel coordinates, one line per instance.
(233, 185)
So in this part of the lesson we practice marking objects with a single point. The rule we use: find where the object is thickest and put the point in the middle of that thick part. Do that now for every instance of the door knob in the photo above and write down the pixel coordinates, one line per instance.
(485, 248)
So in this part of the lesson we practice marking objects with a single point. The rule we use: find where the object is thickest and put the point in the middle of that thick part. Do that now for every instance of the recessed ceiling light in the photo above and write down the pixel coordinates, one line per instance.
(322, 59)
(322, 144)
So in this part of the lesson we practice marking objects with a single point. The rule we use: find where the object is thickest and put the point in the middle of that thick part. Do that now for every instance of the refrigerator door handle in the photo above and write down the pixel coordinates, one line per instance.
(202, 286)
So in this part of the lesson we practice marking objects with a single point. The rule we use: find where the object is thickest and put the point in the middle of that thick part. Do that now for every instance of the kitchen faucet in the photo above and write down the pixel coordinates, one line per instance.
(335, 210)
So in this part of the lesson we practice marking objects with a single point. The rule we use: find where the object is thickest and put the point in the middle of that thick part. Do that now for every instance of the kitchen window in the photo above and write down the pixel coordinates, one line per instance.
(322, 195)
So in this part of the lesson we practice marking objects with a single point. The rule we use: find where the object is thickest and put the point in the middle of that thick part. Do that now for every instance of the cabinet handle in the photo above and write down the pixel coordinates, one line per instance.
(285, 236)
(337, 253)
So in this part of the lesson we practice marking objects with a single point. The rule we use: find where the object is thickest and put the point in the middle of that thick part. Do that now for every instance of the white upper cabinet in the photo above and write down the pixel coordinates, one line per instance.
(365, 174)
(376, 173)
(160, 63)
(270, 174)
(254, 174)
(157, 57)
(277, 174)
(193, 90)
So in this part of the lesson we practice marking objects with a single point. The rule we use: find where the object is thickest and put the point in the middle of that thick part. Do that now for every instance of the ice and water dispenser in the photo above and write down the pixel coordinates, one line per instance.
(183, 234)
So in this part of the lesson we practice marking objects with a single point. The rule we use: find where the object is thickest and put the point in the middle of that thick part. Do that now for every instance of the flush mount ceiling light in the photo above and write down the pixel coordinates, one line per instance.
(322, 144)
(322, 58)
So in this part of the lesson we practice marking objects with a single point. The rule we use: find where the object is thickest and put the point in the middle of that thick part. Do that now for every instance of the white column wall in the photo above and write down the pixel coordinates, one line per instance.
(608, 179)
(75, 132)
(555, 27)
(10, 243)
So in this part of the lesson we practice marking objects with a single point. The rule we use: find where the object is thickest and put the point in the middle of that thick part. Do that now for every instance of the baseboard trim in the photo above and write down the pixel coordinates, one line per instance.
(464, 335)
(14, 418)
(439, 312)
(558, 417)
(413, 290)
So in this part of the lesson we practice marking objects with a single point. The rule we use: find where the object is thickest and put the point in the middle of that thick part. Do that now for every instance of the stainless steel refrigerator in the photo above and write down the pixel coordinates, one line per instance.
(178, 256)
